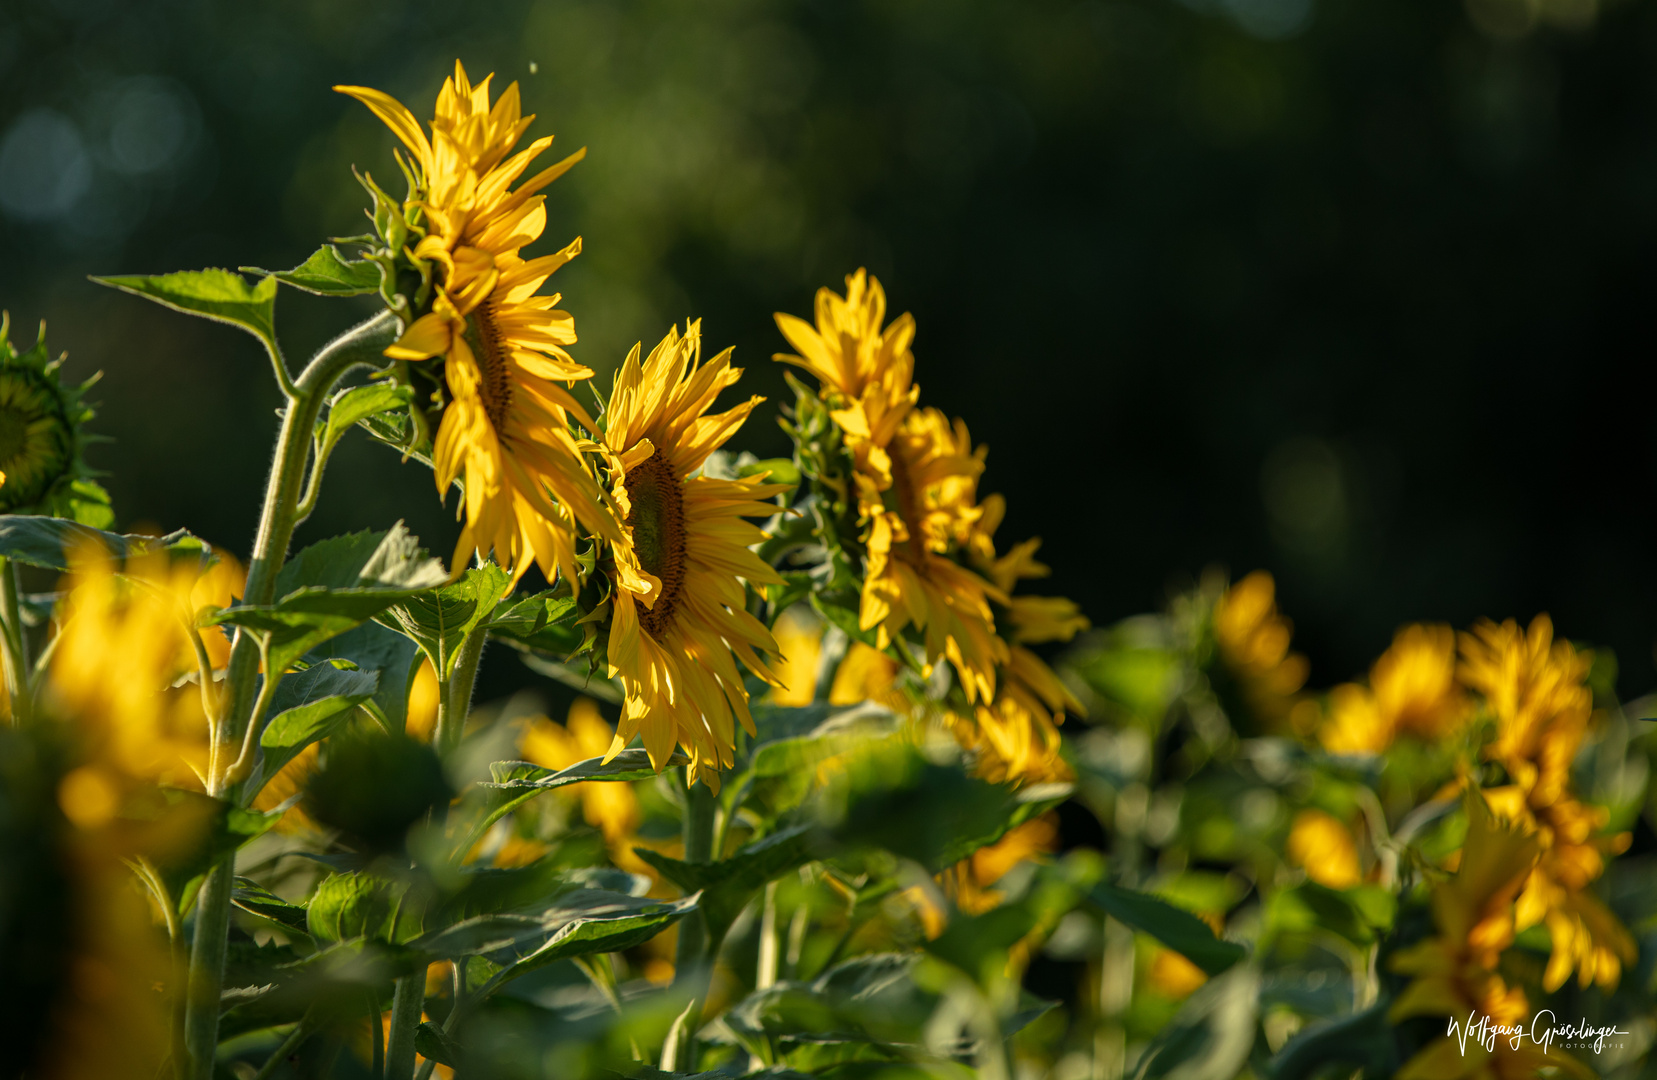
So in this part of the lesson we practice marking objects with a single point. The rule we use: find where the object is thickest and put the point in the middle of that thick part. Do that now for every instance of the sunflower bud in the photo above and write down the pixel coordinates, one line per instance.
(41, 438)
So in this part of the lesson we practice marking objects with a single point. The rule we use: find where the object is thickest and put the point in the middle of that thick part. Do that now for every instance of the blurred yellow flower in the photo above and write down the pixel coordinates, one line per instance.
(1253, 640)
(1536, 689)
(799, 636)
(423, 695)
(1412, 691)
(611, 807)
(679, 610)
(1325, 848)
(126, 638)
(1455, 970)
(914, 474)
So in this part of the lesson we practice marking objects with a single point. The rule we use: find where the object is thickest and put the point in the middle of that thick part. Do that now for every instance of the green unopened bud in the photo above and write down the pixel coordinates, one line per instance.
(41, 440)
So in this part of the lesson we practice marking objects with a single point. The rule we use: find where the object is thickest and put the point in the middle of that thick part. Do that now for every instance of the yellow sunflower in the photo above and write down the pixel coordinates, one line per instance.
(678, 610)
(1412, 691)
(1454, 972)
(915, 474)
(506, 430)
(1253, 639)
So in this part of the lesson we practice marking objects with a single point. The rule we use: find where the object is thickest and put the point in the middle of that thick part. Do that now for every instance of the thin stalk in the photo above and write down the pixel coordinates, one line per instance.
(16, 644)
(456, 699)
(361, 344)
(301, 1031)
(206, 978)
(765, 973)
(693, 962)
(376, 1038)
(407, 1006)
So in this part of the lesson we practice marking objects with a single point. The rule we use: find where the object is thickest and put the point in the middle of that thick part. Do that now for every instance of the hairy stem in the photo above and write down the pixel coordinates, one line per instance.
(693, 962)
(206, 978)
(407, 1006)
(16, 644)
(456, 698)
(361, 344)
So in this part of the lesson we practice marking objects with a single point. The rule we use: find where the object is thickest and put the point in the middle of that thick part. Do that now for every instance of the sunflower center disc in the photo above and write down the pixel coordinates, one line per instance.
(658, 524)
(908, 503)
(496, 385)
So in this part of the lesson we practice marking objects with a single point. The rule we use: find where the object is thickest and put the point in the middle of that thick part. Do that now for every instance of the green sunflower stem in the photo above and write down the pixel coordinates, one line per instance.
(456, 699)
(362, 344)
(16, 643)
(408, 1004)
(692, 962)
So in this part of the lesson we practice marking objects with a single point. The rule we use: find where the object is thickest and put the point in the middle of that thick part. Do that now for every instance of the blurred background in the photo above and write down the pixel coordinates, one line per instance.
(1351, 290)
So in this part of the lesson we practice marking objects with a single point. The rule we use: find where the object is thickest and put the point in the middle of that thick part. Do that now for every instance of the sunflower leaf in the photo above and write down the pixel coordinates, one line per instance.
(305, 708)
(727, 885)
(541, 622)
(214, 294)
(359, 403)
(439, 619)
(328, 273)
(373, 647)
(1175, 927)
(334, 586)
(46, 541)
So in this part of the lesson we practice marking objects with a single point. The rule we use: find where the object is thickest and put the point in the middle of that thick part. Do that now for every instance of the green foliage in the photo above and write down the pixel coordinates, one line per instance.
(47, 542)
(306, 707)
(214, 294)
(334, 586)
(1177, 929)
(438, 620)
(327, 273)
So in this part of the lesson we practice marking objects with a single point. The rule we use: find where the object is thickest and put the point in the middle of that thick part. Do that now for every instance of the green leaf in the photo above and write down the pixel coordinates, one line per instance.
(541, 622)
(516, 782)
(360, 904)
(1362, 1040)
(88, 503)
(599, 922)
(307, 706)
(727, 885)
(1360, 915)
(431, 1043)
(213, 294)
(333, 586)
(359, 403)
(781, 470)
(936, 814)
(373, 647)
(252, 897)
(439, 619)
(1174, 927)
(46, 541)
(327, 273)
(1211, 1036)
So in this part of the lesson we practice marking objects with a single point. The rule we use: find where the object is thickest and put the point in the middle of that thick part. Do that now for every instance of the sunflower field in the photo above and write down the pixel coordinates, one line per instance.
(842, 794)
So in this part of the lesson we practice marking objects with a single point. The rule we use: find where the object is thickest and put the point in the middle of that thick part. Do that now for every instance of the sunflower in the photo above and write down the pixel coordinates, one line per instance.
(1454, 972)
(914, 474)
(505, 432)
(1253, 640)
(678, 611)
(1412, 691)
(127, 637)
(41, 442)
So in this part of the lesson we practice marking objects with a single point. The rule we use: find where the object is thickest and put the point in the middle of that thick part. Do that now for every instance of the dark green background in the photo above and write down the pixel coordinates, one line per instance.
(1358, 291)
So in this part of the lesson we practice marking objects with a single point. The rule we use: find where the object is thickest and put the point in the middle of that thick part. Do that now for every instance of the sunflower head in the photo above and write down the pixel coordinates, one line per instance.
(41, 437)
(675, 618)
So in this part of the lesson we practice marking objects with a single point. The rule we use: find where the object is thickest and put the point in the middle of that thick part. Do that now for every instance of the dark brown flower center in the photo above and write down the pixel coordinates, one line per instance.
(658, 523)
(907, 502)
(496, 385)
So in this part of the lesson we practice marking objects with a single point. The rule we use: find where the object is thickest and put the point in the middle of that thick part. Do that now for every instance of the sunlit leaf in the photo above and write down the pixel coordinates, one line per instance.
(306, 707)
(328, 273)
(1174, 927)
(214, 294)
(46, 542)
